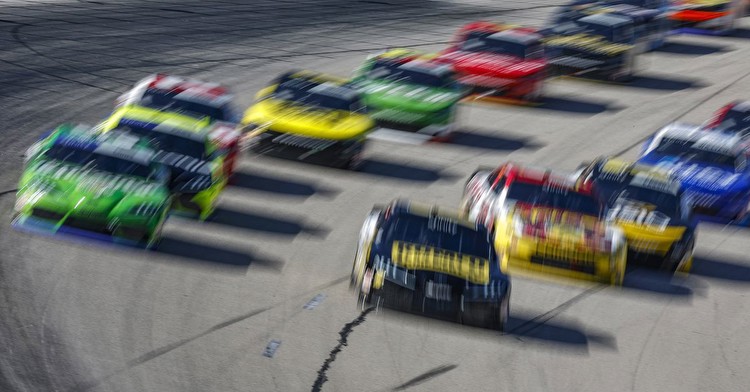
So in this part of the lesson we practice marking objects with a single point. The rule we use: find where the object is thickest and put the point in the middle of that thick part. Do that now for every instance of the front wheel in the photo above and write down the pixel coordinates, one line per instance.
(626, 72)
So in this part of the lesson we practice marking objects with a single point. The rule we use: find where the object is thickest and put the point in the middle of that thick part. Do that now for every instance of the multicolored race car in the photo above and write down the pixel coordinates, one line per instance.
(556, 231)
(712, 167)
(650, 17)
(600, 45)
(309, 117)
(649, 206)
(498, 60)
(425, 260)
(107, 187)
(707, 16)
(201, 158)
(733, 118)
(490, 190)
(190, 97)
(406, 93)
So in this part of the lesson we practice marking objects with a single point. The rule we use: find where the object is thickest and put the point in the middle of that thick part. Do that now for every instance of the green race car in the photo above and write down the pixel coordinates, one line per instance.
(102, 187)
(404, 92)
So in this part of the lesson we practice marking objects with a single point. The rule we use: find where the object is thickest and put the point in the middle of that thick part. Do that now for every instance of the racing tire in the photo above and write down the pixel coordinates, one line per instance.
(626, 73)
(486, 315)
(536, 96)
(684, 266)
(354, 163)
(618, 277)
(364, 291)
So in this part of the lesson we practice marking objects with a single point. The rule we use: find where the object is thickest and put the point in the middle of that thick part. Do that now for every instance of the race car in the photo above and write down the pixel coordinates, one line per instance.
(406, 93)
(733, 118)
(103, 187)
(707, 16)
(190, 97)
(201, 158)
(490, 190)
(650, 17)
(712, 167)
(649, 206)
(309, 117)
(498, 60)
(600, 45)
(425, 260)
(556, 231)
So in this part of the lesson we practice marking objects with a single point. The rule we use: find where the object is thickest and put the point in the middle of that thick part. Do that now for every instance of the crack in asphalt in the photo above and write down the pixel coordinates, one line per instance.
(343, 340)
(426, 376)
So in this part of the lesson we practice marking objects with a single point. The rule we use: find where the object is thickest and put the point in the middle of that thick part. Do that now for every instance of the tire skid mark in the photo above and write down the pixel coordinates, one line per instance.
(343, 341)
(543, 318)
(426, 376)
(153, 354)
(9, 191)
(15, 33)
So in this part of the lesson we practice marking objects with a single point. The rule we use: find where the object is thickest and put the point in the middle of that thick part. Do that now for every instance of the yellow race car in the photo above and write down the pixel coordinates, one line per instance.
(309, 117)
(556, 231)
(201, 155)
(649, 206)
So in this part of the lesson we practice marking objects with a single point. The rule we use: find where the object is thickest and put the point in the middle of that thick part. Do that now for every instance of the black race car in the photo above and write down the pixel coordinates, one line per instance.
(422, 260)
(595, 45)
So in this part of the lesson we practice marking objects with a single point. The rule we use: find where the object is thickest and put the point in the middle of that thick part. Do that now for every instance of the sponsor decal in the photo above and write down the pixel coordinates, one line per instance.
(639, 213)
(427, 258)
(573, 256)
(303, 142)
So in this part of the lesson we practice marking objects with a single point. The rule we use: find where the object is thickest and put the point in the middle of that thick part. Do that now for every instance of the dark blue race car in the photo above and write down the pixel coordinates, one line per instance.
(422, 260)
(712, 167)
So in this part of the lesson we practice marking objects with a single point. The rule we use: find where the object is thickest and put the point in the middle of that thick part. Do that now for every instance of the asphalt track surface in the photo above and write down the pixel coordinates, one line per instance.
(198, 313)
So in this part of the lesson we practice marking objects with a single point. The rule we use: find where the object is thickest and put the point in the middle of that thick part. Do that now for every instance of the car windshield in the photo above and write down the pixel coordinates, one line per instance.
(554, 197)
(101, 162)
(435, 231)
(484, 42)
(324, 96)
(391, 71)
(612, 34)
(171, 143)
(663, 202)
(166, 102)
(673, 146)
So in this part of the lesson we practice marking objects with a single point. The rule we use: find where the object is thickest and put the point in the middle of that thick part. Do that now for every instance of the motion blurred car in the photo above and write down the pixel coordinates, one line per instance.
(201, 158)
(650, 17)
(600, 45)
(309, 117)
(712, 167)
(649, 206)
(425, 260)
(406, 93)
(490, 190)
(733, 118)
(190, 97)
(105, 187)
(554, 230)
(707, 16)
(498, 60)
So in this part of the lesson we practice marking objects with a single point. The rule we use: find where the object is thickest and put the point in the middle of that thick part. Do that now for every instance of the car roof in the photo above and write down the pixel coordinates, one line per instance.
(720, 143)
(134, 115)
(118, 145)
(681, 131)
(191, 89)
(610, 20)
(516, 36)
(656, 183)
(319, 83)
(403, 207)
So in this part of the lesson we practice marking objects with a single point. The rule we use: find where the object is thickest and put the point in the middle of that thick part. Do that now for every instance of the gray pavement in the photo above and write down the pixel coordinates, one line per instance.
(197, 314)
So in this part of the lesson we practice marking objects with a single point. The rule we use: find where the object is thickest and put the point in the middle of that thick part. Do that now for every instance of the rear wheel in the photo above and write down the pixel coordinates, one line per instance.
(486, 315)
(626, 72)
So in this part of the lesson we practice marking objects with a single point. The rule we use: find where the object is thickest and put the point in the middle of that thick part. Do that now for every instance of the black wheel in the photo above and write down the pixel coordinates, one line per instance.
(486, 314)
(626, 73)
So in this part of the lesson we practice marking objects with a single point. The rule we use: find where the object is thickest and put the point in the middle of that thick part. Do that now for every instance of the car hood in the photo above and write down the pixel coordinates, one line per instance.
(286, 117)
(503, 66)
(587, 43)
(68, 188)
(384, 94)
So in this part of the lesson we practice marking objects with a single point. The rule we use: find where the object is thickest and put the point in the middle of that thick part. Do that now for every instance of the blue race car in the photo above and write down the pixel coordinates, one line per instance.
(712, 167)
(421, 260)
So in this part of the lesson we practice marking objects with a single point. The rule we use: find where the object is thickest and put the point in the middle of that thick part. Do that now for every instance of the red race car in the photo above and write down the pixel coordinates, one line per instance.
(498, 60)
